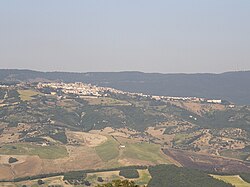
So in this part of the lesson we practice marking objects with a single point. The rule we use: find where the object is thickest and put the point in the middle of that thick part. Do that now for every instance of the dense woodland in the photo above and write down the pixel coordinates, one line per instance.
(173, 176)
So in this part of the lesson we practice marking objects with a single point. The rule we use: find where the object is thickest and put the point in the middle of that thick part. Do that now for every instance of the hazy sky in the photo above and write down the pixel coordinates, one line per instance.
(117, 35)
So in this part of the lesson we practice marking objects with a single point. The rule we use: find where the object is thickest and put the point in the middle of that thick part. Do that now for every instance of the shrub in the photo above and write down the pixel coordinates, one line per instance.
(74, 175)
(87, 183)
(40, 182)
(99, 179)
(12, 160)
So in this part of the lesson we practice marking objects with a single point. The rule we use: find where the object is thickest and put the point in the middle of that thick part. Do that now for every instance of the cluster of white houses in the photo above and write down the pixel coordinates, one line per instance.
(193, 99)
(80, 88)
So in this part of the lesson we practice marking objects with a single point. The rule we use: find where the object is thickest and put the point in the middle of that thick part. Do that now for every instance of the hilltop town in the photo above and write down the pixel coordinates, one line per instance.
(82, 89)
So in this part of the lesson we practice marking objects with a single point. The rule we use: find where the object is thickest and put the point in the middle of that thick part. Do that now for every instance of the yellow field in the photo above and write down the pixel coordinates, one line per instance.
(235, 180)
(26, 95)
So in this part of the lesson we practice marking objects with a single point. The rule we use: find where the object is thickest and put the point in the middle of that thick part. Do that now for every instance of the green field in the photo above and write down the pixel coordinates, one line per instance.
(234, 180)
(109, 150)
(144, 151)
(44, 152)
(26, 95)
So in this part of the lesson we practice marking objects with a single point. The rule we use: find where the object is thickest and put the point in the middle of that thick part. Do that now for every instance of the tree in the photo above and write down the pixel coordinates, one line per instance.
(12, 160)
(129, 173)
(40, 182)
(87, 183)
(99, 179)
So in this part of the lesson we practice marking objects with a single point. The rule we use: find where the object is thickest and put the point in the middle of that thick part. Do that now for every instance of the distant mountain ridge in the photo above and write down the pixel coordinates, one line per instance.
(231, 86)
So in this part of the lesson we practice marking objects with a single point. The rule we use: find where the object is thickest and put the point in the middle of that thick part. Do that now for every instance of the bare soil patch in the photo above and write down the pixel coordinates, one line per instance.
(6, 172)
(31, 166)
(80, 157)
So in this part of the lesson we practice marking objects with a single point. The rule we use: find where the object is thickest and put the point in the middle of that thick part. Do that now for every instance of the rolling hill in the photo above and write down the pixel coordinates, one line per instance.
(231, 86)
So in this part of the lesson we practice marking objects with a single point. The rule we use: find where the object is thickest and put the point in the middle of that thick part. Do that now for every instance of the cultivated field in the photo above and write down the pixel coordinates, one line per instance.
(84, 151)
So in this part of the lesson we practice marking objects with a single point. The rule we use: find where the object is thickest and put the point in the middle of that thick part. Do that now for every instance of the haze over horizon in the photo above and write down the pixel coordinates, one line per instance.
(121, 71)
(106, 36)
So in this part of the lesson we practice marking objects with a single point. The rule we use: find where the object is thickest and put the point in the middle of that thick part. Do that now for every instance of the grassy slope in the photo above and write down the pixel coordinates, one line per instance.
(234, 180)
(44, 152)
(144, 151)
(108, 150)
